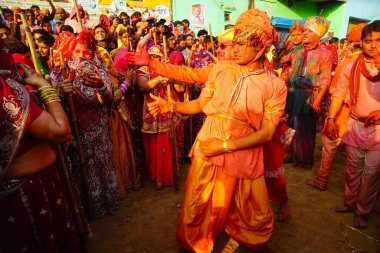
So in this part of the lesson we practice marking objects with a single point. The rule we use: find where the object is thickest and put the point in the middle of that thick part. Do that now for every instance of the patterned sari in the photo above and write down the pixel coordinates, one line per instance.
(160, 136)
(34, 216)
(93, 120)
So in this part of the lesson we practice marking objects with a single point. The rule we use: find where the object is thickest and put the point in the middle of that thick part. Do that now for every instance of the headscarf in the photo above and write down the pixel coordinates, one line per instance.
(201, 60)
(14, 112)
(156, 50)
(74, 12)
(104, 21)
(81, 67)
(120, 62)
(255, 25)
(355, 33)
(318, 25)
(62, 45)
(227, 34)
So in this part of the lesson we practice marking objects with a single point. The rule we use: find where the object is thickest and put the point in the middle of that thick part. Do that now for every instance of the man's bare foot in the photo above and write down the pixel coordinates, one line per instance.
(311, 183)
(284, 213)
(231, 246)
(342, 208)
(360, 221)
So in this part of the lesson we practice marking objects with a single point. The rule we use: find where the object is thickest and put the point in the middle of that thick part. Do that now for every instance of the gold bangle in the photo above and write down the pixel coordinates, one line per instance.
(45, 87)
(171, 107)
(51, 101)
(226, 147)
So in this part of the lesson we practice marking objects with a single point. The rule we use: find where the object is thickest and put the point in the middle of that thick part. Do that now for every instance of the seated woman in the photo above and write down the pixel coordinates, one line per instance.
(34, 216)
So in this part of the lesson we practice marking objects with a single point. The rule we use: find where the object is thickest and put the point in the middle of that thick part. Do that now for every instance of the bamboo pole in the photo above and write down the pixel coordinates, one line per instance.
(61, 156)
(79, 19)
(165, 48)
(83, 166)
(212, 40)
(29, 38)
(68, 181)
(155, 38)
(173, 141)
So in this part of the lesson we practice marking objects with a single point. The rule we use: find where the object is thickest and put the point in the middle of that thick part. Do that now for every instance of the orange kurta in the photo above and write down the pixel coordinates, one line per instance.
(228, 191)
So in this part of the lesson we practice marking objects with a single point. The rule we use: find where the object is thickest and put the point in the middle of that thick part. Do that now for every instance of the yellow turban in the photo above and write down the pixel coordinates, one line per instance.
(227, 34)
(317, 24)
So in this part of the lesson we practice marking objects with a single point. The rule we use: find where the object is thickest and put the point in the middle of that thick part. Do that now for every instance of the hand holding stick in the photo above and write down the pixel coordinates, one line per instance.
(79, 19)
(83, 165)
(212, 40)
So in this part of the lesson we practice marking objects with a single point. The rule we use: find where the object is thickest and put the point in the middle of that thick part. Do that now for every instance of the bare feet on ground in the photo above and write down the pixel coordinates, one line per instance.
(360, 221)
(311, 183)
(342, 208)
(284, 213)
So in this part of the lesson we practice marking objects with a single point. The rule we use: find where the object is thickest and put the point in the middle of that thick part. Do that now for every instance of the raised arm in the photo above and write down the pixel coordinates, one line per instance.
(52, 125)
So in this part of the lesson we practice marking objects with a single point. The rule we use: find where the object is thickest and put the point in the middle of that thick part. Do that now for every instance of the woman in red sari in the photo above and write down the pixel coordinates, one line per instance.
(91, 89)
(160, 132)
(34, 216)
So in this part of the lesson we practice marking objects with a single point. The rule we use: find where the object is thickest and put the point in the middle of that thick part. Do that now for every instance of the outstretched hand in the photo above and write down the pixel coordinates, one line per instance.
(32, 77)
(140, 59)
(158, 106)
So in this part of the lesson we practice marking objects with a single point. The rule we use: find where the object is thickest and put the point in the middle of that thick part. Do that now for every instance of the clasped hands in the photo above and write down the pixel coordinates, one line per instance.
(66, 86)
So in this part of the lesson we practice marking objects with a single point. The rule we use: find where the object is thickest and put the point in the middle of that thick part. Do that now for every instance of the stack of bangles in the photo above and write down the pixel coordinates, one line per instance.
(124, 86)
(48, 95)
(103, 91)
(154, 82)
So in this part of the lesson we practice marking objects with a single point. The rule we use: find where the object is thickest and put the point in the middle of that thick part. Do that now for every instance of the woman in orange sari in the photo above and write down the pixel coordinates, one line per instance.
(127, 173)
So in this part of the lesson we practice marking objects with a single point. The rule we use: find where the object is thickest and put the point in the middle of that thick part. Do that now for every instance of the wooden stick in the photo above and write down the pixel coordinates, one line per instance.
(71, 196)
(173, 141)
(130, 46)
(212, 39)
(61, 156)
(29, 38)
(165, 48)
(83, 165)
(79, 19)
(155, 38)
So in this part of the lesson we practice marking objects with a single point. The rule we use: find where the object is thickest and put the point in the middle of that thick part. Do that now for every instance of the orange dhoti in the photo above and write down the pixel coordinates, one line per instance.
(215, 201)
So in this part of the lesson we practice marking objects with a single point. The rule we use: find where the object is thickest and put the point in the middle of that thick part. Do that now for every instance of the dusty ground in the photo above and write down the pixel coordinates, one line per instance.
(146, 220)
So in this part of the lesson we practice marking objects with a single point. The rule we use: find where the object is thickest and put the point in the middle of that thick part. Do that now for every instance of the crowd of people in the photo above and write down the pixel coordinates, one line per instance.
(90, 108)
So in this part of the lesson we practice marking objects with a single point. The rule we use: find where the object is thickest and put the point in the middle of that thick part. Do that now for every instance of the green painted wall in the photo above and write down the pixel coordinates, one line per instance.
(334, 12)
(214, 10)
(280, 8)
(301, 9)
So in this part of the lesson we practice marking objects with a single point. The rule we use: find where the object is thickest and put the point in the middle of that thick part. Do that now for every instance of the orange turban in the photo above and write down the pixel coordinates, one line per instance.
(16, 9)
(297, 26)
(255, 25)
(355, 33)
